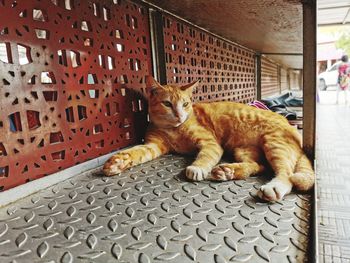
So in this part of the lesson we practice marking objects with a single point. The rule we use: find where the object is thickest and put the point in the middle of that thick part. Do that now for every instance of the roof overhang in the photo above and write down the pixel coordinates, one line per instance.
(333, 12)
(271, 27)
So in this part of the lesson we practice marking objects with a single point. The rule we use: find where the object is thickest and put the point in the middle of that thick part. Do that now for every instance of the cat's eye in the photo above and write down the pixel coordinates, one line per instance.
(185, 104)
(167, 104)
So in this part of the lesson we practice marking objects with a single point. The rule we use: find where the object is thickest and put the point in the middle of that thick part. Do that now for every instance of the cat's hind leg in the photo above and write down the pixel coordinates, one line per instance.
(303, 178)
(248, 162)
(282, 153)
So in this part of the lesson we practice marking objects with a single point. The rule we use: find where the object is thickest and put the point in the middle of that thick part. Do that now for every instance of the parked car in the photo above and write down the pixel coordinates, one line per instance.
(329, 77)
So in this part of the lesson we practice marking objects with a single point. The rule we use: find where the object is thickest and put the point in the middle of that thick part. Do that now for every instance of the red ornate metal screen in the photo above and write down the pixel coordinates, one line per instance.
(226, 71)
(66, 70)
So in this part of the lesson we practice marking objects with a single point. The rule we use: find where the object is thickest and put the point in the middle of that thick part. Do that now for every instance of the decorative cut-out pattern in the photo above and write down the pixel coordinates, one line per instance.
(226, 71)
(69, 72)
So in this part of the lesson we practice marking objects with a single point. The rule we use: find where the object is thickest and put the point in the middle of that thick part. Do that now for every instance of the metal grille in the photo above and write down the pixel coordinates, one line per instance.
(67, 70)
(269, 78)
(152, 214)
(226, 71)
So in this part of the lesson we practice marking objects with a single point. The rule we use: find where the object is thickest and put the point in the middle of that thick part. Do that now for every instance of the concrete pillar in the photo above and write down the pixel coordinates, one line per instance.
(309, 76)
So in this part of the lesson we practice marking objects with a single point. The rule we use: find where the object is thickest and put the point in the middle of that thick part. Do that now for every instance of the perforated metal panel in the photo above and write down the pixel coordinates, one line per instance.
(269, 78)
(66, 68)
(226, 71)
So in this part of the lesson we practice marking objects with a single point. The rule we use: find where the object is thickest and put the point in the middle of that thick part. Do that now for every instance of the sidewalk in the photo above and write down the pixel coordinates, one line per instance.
(333, 176)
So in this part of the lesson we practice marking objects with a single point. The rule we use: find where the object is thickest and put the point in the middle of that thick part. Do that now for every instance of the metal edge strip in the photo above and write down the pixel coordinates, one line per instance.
(314, 249)
(12, 195)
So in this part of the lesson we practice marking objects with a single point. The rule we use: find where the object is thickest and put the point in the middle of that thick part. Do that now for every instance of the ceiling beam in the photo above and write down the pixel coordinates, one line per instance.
(346, 16)
(332, 24)
(333, 7)
(281, 54)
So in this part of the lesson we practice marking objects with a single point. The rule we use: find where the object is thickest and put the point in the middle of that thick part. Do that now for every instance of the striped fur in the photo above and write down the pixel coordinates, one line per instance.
(253, 137)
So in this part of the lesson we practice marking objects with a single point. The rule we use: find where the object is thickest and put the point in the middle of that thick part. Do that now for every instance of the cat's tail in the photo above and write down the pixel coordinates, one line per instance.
(304, 176)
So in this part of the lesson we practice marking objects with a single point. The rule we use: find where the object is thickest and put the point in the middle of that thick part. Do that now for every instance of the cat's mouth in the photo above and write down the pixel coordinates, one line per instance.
(169, 122)
(180, 121)
(178, 124)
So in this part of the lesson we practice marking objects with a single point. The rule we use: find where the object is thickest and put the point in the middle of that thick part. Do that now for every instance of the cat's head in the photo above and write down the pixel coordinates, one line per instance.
(169, 105)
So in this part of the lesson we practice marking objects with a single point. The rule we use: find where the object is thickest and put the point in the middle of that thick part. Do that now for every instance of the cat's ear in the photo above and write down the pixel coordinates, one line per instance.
(152, 86)
(190, 87)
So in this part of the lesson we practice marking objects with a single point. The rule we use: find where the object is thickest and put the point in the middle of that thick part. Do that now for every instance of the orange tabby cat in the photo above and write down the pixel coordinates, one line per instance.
(251, 135)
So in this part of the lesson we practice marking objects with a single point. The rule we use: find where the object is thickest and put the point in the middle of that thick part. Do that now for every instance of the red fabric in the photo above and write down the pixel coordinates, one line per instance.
(343, 78)
(343, 68)
(258, 104)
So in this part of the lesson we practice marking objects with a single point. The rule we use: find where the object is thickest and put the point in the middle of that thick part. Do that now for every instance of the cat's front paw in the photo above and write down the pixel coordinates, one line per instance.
(196, 173)
(222, 172)
(117, 163)
(274, 190)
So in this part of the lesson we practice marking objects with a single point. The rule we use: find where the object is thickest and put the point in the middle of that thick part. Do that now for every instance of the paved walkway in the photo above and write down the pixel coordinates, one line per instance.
(333, 173)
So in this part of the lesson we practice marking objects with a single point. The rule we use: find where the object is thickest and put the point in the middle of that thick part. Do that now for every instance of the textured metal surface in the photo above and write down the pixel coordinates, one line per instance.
(225, 71)
(333, 169)
(66, 73)
(152, 214)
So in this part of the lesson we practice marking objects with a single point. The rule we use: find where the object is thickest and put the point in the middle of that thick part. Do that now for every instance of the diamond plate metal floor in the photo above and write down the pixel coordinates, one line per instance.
(152, 214)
